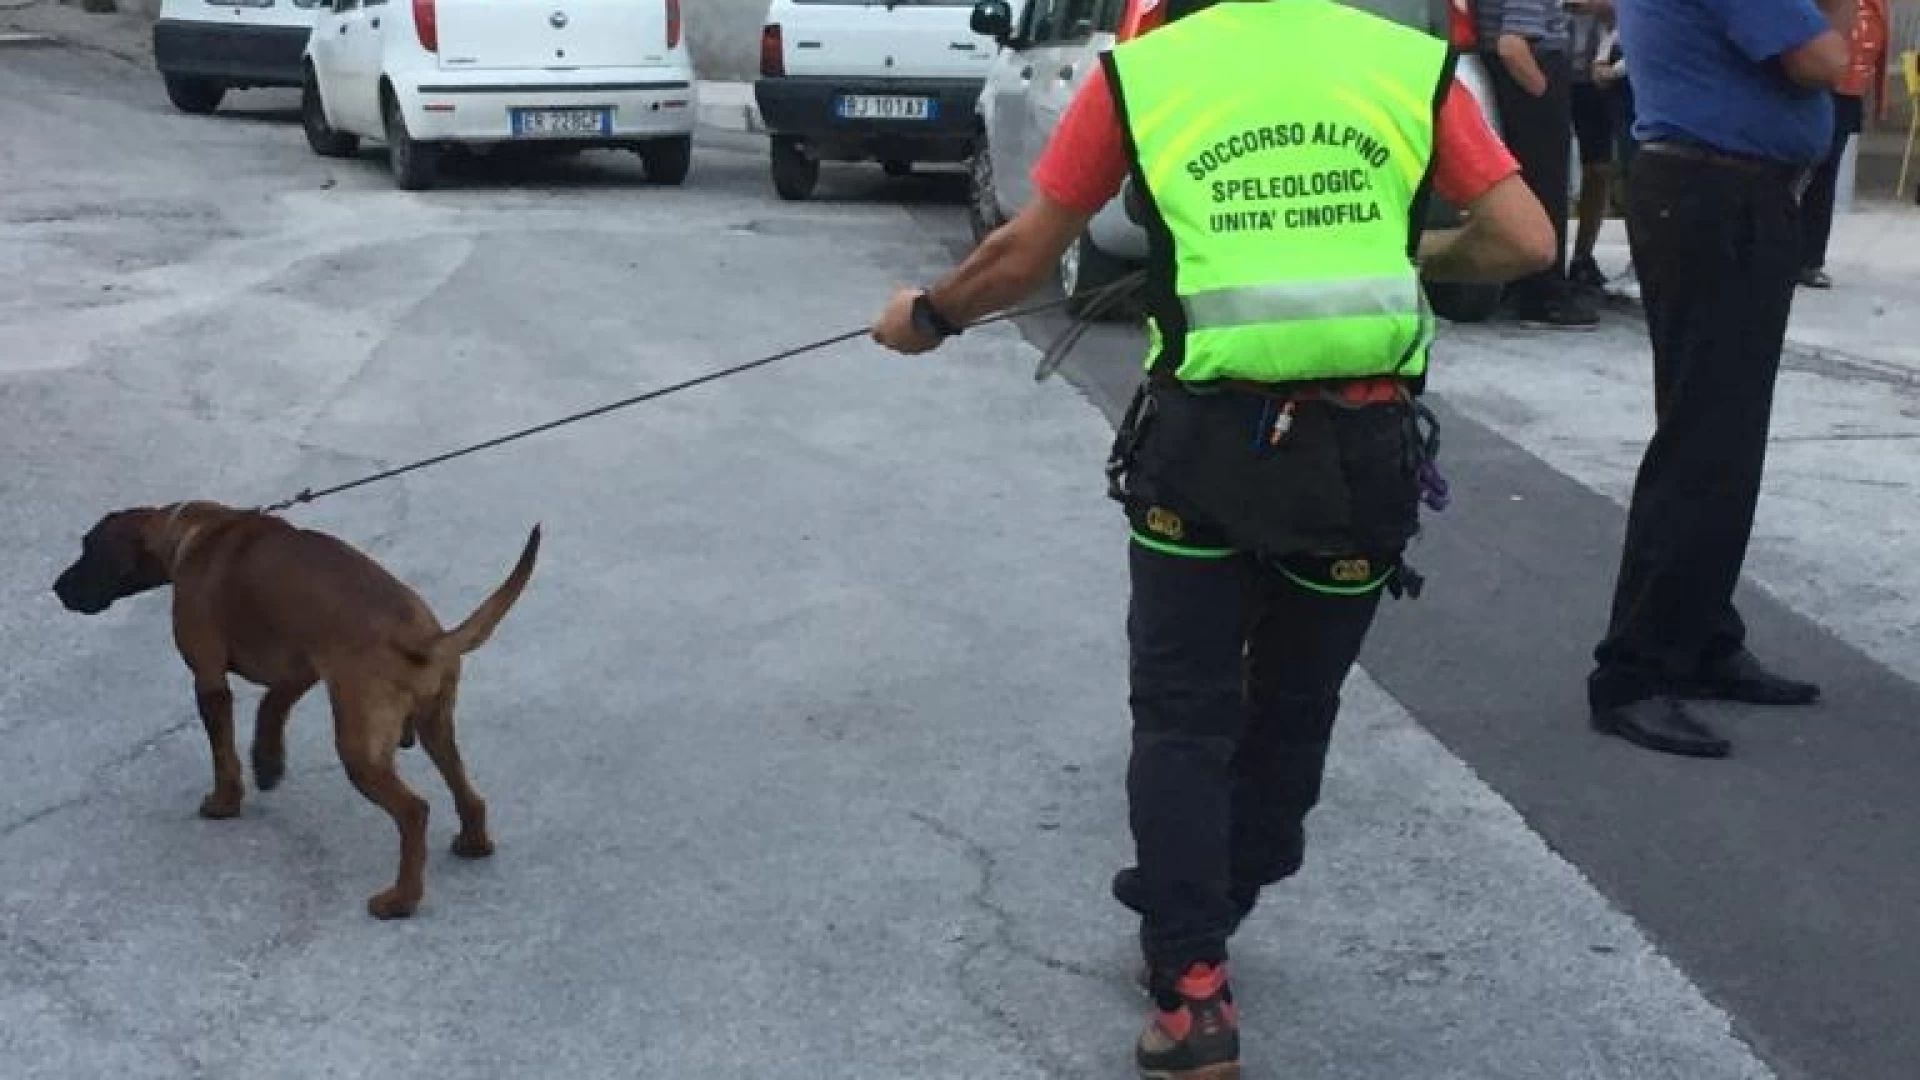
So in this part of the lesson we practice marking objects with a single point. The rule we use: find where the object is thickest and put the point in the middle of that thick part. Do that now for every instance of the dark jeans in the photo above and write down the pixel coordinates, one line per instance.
(1539, 131)
(1624, 112)
(1236, 676)
(1717, 248)
(1817, 210)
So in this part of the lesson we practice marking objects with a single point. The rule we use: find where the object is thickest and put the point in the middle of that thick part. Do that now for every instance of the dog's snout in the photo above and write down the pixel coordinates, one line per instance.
(75, 595)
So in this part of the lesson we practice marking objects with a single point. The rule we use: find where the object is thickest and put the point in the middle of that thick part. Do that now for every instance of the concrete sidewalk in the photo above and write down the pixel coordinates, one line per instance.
(1868, 323)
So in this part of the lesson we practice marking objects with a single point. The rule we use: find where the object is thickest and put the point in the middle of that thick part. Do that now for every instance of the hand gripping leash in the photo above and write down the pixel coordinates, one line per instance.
(307, 495)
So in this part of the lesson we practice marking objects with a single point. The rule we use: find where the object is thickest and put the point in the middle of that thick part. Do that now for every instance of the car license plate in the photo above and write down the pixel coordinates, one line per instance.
(872, 107)
(561, 123)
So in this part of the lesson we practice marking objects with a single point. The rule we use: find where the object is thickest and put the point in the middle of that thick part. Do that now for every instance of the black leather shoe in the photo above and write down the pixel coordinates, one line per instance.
(1740, 676)
(1661, 724)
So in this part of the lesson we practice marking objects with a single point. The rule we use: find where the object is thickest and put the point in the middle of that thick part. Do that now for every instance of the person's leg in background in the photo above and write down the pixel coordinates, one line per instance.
(1593, 116)
(1187, 631)
(1539, 131)
(1817, 206)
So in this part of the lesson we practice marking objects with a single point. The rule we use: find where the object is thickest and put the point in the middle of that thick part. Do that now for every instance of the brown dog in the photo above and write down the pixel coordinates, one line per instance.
(284, 608)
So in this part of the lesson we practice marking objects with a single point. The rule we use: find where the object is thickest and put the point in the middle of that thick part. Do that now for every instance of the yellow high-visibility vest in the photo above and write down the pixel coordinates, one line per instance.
(1284, 150)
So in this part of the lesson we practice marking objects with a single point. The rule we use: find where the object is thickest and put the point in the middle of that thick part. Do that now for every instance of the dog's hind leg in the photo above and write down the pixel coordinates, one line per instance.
(367, 742)
(436, 734)
(270, 732)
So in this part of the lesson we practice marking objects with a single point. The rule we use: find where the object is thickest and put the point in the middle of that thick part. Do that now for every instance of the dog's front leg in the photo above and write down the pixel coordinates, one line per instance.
(215, 699)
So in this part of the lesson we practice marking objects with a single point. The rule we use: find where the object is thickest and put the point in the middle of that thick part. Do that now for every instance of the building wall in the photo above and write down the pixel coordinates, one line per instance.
(725, 36)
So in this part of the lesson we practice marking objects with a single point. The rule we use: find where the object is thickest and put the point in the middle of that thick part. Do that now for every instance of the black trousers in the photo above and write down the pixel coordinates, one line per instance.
(1717, 248)
(1236, 673)
(1817, 208)
(1539, 131)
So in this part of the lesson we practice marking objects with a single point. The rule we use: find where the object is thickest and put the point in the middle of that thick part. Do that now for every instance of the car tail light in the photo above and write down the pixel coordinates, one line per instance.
(426, 23)
(1460, 30)
(673, 24)
(773, 53)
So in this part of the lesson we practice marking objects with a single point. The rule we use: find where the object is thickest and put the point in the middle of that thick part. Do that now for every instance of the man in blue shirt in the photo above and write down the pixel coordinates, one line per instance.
(1733, 112)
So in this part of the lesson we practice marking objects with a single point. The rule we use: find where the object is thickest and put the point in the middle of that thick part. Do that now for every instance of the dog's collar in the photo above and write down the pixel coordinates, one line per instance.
(179, 545)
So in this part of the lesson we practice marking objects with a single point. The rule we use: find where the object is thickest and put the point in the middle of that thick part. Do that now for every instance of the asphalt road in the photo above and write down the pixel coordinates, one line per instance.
(804, 748)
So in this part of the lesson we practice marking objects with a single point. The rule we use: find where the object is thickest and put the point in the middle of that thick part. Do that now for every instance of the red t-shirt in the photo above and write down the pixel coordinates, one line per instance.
(1086, 162)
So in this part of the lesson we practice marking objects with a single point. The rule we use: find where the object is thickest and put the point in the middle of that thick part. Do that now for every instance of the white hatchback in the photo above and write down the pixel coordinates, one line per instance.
(423, 75)
(893, 81)
(204, 48)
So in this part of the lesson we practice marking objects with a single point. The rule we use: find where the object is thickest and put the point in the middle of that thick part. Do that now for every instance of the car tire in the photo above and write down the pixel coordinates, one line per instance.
(1083, 271)
(322, 139)
(983, 205)
(897, 168)
(668, 161)
(193, 94)
(1464, 301)
(415, 164)
(795, 175)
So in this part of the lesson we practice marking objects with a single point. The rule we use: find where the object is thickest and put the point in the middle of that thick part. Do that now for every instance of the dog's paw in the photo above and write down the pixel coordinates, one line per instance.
(220, 806)
(268, 771)
(472, 847)
(392, 904)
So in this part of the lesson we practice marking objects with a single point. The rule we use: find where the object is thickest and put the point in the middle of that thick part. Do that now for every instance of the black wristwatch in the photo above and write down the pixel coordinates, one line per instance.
(931, 322)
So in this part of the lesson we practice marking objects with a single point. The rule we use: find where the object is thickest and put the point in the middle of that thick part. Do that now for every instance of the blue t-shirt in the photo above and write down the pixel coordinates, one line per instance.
(1709, 71)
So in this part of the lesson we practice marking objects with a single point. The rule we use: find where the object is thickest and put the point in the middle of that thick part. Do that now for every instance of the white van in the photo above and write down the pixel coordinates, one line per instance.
(893, 81)
(204, 48)
(423, 75)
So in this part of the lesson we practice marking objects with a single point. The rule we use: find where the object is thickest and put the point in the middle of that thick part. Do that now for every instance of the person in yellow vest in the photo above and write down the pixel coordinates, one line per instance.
(1271, 464)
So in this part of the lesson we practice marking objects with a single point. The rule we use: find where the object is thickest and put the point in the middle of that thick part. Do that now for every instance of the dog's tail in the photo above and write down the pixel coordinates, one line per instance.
(478, 626)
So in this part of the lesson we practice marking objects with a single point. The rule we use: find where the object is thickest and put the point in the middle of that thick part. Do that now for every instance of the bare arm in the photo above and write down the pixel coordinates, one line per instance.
(1507, 236)
(1009, 264)
(1516, 53)
(1821, 63)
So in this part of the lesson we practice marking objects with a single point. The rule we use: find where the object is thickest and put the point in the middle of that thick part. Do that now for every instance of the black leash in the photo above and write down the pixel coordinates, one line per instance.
(308, 495)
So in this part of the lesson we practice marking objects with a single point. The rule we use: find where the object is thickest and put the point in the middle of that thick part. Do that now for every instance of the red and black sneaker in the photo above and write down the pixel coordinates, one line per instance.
(1199, 1037)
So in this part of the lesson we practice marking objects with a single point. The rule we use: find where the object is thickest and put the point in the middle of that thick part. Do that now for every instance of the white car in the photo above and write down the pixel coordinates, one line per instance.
(864, 80)
(204, 48)
(1046, 50)
(426, 75)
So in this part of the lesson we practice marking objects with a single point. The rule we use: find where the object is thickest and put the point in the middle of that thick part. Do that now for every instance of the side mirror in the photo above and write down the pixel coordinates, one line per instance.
(994, 19)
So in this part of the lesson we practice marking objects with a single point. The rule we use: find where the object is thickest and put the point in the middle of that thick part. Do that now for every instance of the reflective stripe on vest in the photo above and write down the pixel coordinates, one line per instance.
(1283, 148)
(1302, 301)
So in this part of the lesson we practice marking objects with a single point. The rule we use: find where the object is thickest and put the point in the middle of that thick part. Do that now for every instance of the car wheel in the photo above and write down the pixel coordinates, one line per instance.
(321, 137)
(192, 94)
(983, 206)
(1084, 271)
(668, 160)
(414, 164)
(795, 175)
(897, 168)
(1464, 302)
